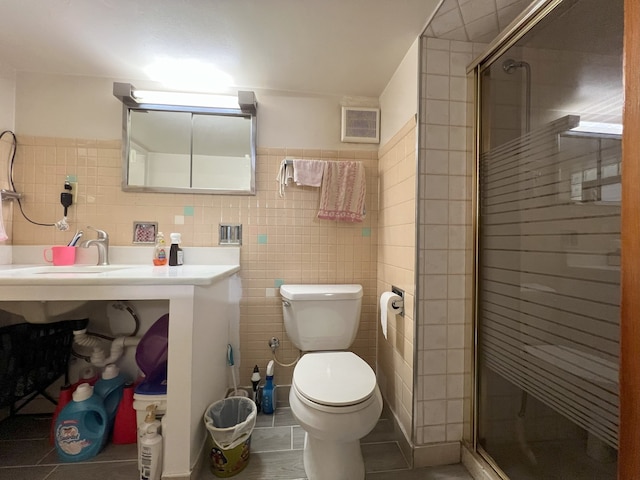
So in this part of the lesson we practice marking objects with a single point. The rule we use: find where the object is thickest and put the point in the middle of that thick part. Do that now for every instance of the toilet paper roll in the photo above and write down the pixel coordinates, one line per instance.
(387, 300)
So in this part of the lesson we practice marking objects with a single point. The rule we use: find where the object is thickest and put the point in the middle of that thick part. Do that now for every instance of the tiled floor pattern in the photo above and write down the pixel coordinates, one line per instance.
(276, 454)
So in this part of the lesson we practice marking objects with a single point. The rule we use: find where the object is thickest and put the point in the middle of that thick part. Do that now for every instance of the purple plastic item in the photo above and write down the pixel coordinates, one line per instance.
(151, 357)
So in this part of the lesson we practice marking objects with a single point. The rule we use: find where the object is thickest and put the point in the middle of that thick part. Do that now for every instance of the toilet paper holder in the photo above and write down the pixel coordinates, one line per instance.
(398, 303)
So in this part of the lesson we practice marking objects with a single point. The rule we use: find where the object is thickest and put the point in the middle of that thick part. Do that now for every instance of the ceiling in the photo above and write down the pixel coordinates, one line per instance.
(341, 47)
(474, 20)
(335, 47)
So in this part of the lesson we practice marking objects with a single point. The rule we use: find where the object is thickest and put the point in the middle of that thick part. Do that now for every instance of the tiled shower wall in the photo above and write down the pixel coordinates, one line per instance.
(396, 267)
(444, 245)
(283, 241)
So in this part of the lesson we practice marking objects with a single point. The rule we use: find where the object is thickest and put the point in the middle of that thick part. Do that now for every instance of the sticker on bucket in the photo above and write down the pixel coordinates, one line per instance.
(227, 463)
(230, 423)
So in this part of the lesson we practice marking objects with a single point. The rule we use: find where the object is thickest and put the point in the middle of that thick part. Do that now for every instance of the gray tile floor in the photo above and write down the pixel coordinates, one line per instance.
(276, 454)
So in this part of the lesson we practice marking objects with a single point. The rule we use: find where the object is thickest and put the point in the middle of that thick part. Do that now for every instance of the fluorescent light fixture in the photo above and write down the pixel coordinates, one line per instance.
(598, 128)
(244, 102)
(185, 99)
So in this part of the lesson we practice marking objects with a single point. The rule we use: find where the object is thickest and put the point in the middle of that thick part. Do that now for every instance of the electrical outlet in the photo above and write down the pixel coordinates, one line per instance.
(73, 182)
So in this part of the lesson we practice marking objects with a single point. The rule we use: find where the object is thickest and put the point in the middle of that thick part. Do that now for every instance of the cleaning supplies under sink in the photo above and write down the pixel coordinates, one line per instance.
(110, 388)
(151, 358)
(81, 426)
(150, 446)
(255, 381)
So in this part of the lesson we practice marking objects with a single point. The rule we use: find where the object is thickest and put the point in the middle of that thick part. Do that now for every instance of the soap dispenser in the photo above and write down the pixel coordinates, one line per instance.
(160, 251)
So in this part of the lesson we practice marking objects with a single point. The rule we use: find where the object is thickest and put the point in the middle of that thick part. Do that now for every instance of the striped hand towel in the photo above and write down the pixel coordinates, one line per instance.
(343, 192)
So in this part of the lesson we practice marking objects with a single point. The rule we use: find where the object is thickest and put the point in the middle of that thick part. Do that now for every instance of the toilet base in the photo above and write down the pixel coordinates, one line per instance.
(346, 459)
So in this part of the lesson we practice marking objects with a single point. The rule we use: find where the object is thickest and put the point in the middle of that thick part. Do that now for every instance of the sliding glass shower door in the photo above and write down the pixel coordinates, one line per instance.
(548, 292)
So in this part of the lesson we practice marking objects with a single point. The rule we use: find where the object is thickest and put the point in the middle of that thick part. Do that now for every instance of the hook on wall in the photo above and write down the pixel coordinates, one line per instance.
(8, 195)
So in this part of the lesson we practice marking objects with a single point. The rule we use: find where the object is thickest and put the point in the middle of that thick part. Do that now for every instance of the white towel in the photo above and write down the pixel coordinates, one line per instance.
(308, 172)
(285, 173)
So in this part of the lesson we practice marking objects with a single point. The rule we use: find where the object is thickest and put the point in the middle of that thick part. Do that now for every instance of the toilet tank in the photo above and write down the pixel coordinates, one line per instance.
(321, 317)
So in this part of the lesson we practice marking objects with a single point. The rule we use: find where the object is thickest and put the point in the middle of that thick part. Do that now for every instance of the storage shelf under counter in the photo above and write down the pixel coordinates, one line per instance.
(203, 302)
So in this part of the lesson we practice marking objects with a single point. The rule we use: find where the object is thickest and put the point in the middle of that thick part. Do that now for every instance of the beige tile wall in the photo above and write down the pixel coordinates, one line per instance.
(396, 266)
(282, 239)
(444, 244)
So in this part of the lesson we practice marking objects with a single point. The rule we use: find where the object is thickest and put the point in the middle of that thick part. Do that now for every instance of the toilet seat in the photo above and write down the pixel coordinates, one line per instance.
(334, 379)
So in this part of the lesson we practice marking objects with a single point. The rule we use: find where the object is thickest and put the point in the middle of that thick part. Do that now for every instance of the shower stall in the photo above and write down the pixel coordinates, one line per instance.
(547, 299)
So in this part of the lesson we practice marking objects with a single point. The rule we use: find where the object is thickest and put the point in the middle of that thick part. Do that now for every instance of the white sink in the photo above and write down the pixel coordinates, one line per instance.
(68, 270)
(48, 311)
(55, 310)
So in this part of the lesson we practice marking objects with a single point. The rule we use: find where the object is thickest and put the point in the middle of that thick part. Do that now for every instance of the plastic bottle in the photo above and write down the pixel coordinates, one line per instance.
(160, 251)
(146, 441)
(110, 387)
(63, 399)
(255, 381)
(124, 426)
(81, 427)
(175, 253)
(269, 392)
(151, 454)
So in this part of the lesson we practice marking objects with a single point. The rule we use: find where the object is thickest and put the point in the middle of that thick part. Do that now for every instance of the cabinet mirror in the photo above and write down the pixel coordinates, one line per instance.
(179, 149)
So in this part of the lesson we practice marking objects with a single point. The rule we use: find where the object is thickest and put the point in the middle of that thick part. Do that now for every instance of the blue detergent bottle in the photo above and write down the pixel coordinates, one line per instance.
(269, 392)
(81, 426)
(110, 388)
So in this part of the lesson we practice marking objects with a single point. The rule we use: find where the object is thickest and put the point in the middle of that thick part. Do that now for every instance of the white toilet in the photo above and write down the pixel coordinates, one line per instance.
(334, 394)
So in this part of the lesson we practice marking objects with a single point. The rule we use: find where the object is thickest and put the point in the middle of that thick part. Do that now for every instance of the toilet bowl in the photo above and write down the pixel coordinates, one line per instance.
(334, 395)
(335, 398)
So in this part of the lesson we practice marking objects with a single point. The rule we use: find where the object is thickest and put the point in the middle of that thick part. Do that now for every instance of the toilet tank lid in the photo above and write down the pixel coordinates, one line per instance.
(321, 292)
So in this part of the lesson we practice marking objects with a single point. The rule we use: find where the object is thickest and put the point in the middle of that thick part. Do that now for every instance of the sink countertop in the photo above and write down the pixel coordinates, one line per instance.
(204, 266)
(116, 275)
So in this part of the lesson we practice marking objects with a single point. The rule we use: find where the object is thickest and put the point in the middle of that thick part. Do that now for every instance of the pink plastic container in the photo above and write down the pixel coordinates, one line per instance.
(60, 255)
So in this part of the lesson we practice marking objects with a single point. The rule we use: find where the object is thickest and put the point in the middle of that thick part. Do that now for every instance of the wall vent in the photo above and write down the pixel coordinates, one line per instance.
(360, 125)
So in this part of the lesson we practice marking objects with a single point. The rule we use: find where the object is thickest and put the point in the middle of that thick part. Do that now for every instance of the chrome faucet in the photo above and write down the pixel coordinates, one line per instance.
(102, 243)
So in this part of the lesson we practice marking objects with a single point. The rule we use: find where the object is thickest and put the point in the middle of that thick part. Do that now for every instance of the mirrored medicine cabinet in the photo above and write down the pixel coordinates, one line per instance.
(187, 149)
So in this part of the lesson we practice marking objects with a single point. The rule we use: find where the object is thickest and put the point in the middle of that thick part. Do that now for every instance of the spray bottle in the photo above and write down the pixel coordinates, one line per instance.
(175, 252)
(269, 392)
